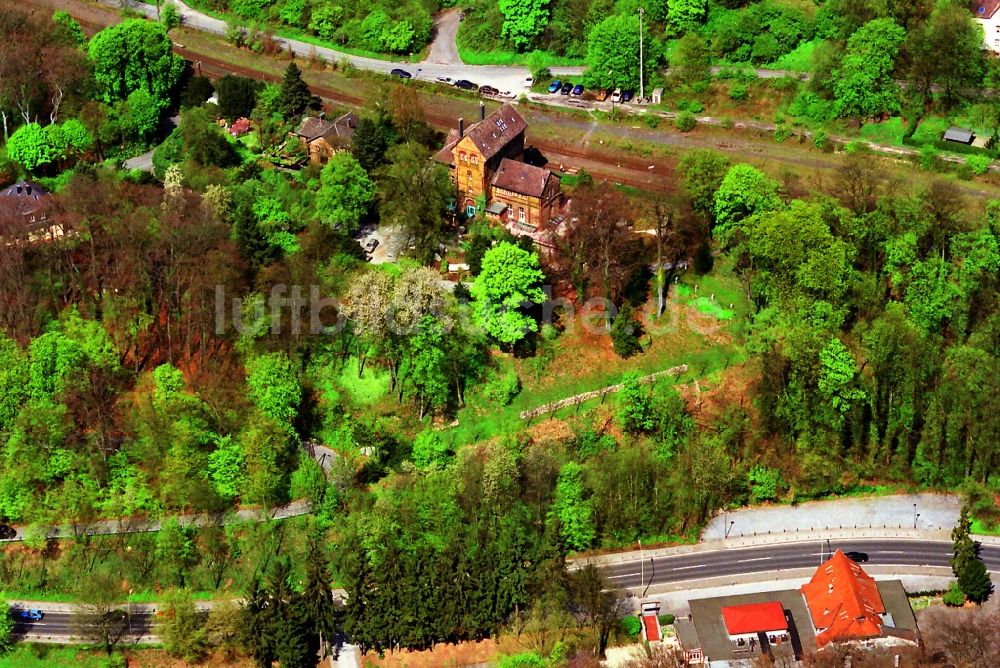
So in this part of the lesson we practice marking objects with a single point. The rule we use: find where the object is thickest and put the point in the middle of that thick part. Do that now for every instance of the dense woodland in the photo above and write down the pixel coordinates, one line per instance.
(871, 343)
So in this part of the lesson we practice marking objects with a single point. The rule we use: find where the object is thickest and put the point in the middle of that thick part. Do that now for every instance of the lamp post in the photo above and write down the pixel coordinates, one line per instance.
(642, 566)
(642, 89)
(916, 515)
(729, 527)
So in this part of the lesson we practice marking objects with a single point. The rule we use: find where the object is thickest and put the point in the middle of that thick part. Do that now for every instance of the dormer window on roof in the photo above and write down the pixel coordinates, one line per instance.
(501, 125)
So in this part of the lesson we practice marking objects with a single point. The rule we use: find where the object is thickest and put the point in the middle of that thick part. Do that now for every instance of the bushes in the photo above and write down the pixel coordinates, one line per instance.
(738, 93)
(685, 121)
(979, 164)
(503, 389)
(954, 597)
(631, 626)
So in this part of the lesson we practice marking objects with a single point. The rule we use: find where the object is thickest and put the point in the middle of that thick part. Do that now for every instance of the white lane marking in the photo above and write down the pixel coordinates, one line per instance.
(743, 561)
(682, 568)
(616, 577)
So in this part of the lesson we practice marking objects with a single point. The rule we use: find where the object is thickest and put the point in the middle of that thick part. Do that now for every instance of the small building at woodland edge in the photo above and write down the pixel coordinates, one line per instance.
(487, 168)
(25, 210)
(987, 14)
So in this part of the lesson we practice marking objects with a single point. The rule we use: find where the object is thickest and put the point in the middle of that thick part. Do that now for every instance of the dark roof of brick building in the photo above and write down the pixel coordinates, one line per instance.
(521, 178)
(313, 128)
(497, 130)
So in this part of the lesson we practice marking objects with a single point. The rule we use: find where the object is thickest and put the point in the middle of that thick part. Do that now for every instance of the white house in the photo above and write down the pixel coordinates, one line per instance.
(987, 13)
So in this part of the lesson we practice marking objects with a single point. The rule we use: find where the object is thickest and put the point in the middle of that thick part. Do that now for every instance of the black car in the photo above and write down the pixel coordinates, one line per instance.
(857, 557)
(488, 90)
(566, 88)
(465, 84)
(401, 73)
(627, 95)
(7, 532)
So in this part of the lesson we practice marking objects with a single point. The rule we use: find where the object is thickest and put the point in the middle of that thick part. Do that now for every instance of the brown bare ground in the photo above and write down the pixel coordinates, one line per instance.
(442, 656)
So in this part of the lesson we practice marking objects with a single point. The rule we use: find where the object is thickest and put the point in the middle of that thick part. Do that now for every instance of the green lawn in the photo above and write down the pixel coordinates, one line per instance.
(798, 60)
(50, 656)
(979, 527)
(369, 388)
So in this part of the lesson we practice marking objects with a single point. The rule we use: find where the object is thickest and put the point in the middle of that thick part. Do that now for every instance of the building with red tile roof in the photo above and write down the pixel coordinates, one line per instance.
(754, 618)
(844, 602)
(987, 14)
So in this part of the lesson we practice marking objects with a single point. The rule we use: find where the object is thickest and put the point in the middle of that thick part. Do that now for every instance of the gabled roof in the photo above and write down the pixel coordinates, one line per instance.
(445, 155)
(844, 601)
(496, 130)
(960, 135)
(754, 618)
(313, 128)
(985, 9)
(521, 178)
(24, 198)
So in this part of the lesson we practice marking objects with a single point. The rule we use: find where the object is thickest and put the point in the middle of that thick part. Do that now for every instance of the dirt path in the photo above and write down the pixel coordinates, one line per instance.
(444, 48)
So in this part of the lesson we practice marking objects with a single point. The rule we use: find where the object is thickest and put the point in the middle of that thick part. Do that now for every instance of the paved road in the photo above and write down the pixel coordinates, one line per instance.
(742, 561)
(444, 48)
(504, 78)
(58, 626)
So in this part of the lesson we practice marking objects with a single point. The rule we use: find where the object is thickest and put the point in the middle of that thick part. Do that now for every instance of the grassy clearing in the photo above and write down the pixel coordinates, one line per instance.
(798, 60)
(979, 527)
(48, 656)
(369, 388)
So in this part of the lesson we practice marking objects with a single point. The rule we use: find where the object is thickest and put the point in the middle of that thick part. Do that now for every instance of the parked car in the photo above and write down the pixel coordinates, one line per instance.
(577, 90)
(371, 245)
(857, 557)
(555, 86)
(627, 95)
(602, 94)
(446, 80)
(617, 95)
(529, 81)
(31, 614)
(488, 90)
(465, 84)
(401, 73)
(566, 88)
(7, 532)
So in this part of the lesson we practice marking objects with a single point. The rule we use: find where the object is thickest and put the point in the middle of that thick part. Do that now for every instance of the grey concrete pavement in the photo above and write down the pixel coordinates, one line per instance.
(922, 512)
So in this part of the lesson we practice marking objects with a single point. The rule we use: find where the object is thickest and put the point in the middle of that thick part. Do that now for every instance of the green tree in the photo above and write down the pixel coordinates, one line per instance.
(613, 53)
(67, 29)
(510, 279)
(571, 510)
(295, 94)
(13, 381)
(703, 171)
(836, 377)
(227, 468)
(864, 85)
(176, 551)
(345, 193)
(691, 62)
(975, 582)
(414, 194)
(635, 405)
(31, 147)
(962, 546)
(131, 55)
(180, 626)
(274, 387)
(6, 629)
(744, 191)
(685, 15)
(140, 115)
(625, 333)
(430, 450)
(170, 17)
(763, 482)
(372, 139)
(523, 21)
(427, 372)
(237, 96)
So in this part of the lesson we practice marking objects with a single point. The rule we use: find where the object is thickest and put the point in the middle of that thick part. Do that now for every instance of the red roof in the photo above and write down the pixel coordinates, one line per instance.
(754, 618)
(985, 9)
(843, 601)
(651, 624)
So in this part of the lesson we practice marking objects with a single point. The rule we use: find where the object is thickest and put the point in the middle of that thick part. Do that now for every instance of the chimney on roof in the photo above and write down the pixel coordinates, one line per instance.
(18, 188)
(482, 111)
(461, 128)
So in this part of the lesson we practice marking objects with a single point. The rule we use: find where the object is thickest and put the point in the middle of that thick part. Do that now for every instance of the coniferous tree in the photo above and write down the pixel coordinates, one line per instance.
(975, 582)
(963, 547)
(295, 94)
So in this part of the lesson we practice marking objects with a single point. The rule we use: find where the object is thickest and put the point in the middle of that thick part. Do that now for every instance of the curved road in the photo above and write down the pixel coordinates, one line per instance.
(502, 77)
(784, 556)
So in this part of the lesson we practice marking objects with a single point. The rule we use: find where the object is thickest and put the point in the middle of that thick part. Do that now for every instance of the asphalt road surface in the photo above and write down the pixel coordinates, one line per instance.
(60, 625)
(742, 561)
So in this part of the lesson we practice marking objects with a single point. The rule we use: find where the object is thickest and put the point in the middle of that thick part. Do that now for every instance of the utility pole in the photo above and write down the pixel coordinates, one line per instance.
(642, 567)
(642, 89)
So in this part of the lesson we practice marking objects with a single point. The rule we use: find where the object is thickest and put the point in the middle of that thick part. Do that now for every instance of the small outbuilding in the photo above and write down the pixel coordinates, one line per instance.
(960, 135)
(657, 97)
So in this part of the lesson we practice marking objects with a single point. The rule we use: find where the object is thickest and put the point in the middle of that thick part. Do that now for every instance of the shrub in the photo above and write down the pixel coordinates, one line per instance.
(781, 133)
(928, 158)
(979, 164)
(631, 626)
(738, 92)
(652, 121)
(764, 483)
(726, 122)
(820, 139)
(666, 620)
(685, 121)
(695, 107)
(954, 596)
(523, 660)
(430, 450)
(502, 390)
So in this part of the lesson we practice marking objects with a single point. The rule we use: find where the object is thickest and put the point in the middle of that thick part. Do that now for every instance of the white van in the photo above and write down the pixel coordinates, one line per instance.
(617, 95)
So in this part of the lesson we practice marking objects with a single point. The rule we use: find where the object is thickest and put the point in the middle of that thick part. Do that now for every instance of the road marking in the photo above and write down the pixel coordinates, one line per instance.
(616, 577)
(681, 568)
(743, 561)
(893, 552)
